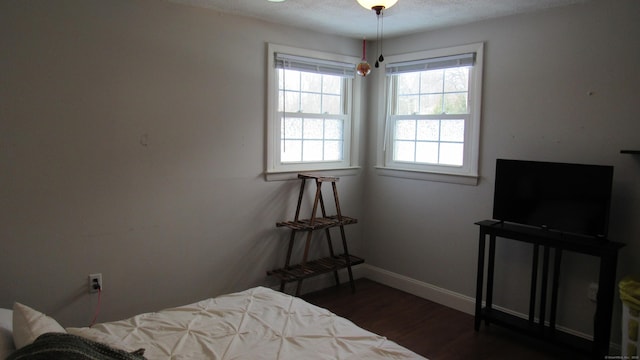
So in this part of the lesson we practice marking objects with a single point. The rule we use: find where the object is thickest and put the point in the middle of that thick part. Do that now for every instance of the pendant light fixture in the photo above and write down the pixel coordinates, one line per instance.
(378, 6)
(363, 68)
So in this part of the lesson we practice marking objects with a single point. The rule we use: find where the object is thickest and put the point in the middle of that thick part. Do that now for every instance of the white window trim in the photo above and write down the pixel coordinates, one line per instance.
(278, 171)
(467, 174)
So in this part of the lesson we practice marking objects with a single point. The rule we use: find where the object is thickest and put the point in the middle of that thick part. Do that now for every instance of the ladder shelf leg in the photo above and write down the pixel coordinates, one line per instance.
(329, 241)
(344, 238)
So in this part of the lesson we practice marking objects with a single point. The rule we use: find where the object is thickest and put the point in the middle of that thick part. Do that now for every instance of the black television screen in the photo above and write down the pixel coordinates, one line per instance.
(572, 198)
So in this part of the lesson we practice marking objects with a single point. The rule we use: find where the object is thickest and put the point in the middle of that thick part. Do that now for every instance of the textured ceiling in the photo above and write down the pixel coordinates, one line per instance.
(348, 18)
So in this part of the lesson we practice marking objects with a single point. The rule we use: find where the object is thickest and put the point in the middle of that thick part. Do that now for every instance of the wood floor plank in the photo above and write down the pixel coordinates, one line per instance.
(427, 328)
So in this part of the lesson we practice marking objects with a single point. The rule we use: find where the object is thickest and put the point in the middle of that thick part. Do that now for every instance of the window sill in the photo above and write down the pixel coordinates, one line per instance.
(291, 175)
(428, 176)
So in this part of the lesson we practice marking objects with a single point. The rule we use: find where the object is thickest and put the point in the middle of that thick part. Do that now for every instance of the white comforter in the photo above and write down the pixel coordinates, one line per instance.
(258, 323)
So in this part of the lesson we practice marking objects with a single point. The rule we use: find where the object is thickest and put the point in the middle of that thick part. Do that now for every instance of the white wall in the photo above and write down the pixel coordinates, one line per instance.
(540, 70)
(132, 144)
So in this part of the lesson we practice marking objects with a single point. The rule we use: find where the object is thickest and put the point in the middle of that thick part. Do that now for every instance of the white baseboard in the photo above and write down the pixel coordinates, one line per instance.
(442, 296)
(421, 289)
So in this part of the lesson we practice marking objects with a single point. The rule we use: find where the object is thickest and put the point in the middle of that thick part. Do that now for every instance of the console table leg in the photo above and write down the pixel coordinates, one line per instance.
(554, 289)
(604, 310)
(543, 287)
(479, 281)
(490, 272)
(534, 284)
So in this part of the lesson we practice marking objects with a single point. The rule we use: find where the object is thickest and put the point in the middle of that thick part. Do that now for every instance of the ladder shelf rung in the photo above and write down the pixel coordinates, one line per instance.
(318, 223)
(315, 267)
(318, 177)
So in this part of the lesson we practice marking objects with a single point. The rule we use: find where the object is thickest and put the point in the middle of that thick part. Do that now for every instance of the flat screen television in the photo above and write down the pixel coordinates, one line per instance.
(564, 197)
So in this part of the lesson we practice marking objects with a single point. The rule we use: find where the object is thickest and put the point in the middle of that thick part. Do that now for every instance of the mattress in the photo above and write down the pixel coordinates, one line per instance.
(257, 323)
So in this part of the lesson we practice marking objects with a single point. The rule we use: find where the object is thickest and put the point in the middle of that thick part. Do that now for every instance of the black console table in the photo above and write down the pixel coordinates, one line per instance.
(545, 328)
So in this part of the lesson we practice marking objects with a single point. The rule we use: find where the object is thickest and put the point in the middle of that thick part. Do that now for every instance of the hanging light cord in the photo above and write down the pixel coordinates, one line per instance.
(364, 50)
(381, 58)
(379, 36)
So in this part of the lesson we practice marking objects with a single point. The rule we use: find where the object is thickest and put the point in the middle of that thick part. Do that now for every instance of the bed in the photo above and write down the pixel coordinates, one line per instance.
(258, 323)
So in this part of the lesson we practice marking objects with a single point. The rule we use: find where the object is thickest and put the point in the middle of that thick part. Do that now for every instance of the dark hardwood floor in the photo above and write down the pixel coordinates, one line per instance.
(429, 329)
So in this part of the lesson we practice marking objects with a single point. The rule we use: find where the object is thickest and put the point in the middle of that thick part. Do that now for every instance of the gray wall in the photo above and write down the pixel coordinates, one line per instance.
(540, 70)
(132, 142)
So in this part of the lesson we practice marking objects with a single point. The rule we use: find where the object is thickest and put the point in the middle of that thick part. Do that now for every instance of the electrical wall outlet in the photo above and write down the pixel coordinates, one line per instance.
(592, 292)
(95, 283)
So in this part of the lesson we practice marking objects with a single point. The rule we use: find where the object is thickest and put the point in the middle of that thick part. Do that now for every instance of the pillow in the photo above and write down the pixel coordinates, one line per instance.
(6, 334)
(28, 324)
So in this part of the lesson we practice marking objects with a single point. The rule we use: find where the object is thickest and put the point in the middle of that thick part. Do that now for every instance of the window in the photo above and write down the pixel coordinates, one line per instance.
(434, 113)
(311, 111)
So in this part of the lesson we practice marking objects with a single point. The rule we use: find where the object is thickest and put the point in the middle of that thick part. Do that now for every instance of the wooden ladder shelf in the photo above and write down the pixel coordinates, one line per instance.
(306, 269)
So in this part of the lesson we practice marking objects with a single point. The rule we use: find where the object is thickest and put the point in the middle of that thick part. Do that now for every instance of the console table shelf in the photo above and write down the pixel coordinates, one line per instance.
(546, 333)
(308, 268)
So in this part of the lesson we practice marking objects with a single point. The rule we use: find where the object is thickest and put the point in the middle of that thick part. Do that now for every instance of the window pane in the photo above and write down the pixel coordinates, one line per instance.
(452, 130)
(408, 105)
(292, 102)
(333, 150)
(310, 82)
(289, 80)
(311, 103)
(313, 129)
(405, 130)
(451, 154)
(431, 81)
(428, 130)
(427, 152)
(404, 151)
(331, 104)
(280, 102)
(431, 104)
(456, 79)
(291, 128)
(332, 85)
(291, 151)
(312, 150)
(456, 103)
(333, 129)
(409, 83)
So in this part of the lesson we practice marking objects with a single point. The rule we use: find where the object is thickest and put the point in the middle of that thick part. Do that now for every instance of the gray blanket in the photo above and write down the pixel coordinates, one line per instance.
(53, 346)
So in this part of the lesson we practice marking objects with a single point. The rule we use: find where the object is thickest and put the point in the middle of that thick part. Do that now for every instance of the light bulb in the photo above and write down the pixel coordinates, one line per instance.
(371, 4)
